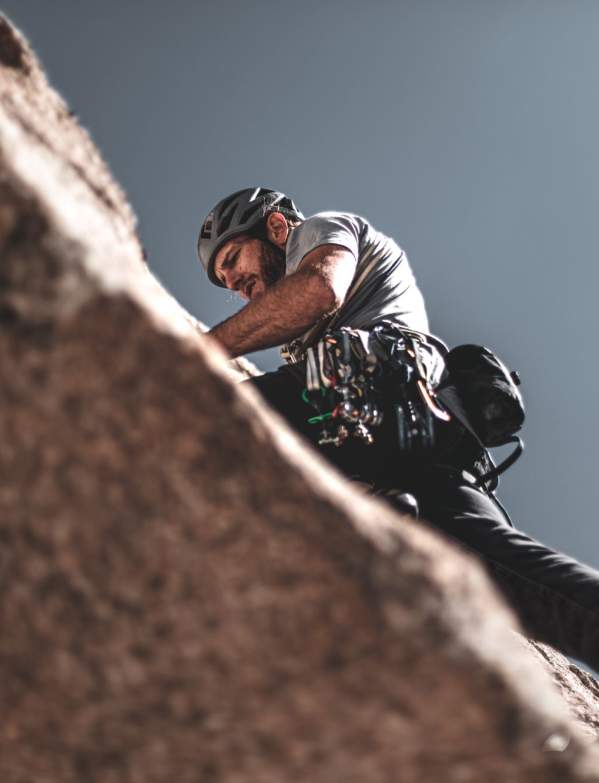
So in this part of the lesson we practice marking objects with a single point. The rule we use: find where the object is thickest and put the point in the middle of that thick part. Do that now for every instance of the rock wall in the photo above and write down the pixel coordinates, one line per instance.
(187, 592)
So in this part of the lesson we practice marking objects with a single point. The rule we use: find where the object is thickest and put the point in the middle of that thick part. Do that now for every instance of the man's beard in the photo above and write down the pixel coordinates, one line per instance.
(272, 263)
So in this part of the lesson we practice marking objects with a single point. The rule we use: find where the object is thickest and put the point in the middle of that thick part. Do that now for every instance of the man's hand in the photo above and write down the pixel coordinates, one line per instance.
(292, 305)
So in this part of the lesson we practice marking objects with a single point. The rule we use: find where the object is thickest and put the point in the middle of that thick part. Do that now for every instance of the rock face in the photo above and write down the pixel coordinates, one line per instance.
(188, 592)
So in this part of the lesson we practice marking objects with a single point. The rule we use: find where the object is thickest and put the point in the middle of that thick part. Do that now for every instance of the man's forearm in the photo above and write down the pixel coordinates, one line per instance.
(282, 312)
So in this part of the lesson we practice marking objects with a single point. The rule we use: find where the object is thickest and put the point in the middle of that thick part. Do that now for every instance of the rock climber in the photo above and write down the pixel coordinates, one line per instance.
(298, 275)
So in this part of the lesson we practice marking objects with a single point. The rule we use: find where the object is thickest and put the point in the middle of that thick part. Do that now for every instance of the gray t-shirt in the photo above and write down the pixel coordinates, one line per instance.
(383, 285)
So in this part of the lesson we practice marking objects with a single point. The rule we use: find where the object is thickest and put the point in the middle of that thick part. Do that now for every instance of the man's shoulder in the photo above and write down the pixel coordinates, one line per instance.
(335, 215)
(331, 224)
(323, 228)
(344, 228)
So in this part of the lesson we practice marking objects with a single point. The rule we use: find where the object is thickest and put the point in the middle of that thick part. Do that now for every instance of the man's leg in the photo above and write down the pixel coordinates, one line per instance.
(282, 389)
(555, 596)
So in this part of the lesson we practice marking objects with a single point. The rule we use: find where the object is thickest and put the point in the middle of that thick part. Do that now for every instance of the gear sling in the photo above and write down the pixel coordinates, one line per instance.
(356, 379)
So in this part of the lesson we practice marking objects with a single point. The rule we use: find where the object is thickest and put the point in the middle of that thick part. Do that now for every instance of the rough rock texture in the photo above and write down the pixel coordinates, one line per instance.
(578, 687)
(187, 592)
(30, 108)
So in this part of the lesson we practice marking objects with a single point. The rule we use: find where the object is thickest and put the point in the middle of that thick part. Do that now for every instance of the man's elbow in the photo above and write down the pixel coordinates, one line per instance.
(329, 297)
(329, 269)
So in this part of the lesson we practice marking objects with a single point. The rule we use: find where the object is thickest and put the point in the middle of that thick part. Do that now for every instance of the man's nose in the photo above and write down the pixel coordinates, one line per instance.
(232, 278)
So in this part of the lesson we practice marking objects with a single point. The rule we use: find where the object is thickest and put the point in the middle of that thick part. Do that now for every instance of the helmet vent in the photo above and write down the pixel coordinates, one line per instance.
(250, 213)
(225, 203)
(225, 221)
(207, 227)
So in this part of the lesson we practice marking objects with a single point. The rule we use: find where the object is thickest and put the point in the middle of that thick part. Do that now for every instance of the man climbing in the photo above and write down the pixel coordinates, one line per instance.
(302, 275)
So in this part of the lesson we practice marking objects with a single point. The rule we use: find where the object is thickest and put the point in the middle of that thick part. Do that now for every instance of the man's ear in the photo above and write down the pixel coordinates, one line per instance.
(277, 229)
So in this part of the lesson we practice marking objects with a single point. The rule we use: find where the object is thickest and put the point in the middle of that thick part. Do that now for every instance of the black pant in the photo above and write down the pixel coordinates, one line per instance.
(555, 597)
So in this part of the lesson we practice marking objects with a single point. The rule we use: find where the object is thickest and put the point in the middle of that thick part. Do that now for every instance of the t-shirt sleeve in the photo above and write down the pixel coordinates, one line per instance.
(323, 229)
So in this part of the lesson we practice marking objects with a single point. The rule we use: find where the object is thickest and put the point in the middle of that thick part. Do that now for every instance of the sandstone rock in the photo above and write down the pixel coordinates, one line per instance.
(188, 592)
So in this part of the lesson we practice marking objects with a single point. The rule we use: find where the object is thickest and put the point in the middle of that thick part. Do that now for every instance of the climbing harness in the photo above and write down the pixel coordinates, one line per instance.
(356, 379)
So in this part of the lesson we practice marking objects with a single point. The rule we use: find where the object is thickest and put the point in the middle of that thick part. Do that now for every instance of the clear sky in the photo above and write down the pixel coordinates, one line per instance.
(467, 130)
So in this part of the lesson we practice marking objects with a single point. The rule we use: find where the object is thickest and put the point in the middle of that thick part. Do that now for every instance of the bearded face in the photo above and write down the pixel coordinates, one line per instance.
(272, 263)
(249, 265)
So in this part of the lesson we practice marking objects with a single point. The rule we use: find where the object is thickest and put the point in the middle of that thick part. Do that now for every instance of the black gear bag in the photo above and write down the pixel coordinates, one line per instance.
(483, 395)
